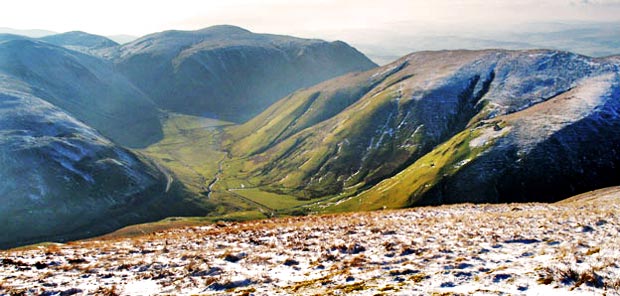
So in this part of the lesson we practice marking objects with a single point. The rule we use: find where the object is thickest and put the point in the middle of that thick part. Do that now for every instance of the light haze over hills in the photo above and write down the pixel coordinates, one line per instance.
(218, 114)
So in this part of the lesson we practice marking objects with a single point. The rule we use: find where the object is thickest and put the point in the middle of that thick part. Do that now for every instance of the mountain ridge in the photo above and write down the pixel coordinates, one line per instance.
(84, 85)
(73, 109)
(81, 41)
(204, 69)
(415, 110)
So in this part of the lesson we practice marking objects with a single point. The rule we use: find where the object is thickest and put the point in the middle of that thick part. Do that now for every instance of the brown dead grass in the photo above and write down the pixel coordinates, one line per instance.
(343, 249)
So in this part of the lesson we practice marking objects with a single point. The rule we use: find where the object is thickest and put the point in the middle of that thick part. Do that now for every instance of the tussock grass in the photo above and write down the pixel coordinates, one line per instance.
(491, 249)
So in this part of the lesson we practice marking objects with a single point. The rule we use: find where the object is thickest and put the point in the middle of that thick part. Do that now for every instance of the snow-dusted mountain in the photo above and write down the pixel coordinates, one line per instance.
(60, 101)
(443, 127)
(430, 128)
(60, 179)
(86, 86)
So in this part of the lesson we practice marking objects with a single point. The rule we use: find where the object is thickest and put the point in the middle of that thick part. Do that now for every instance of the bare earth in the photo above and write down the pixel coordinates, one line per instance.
(569, 248)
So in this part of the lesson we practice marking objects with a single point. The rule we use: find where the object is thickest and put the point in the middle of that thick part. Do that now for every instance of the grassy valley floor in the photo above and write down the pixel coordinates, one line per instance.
(191, 150)
(568, 248)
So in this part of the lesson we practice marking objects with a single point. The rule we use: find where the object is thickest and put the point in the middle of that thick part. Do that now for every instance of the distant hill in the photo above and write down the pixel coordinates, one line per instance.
(597, 39)
(29, 33)
(122, 39)
(442, 127)
(227, 72)
(87, 87)
(80, 41)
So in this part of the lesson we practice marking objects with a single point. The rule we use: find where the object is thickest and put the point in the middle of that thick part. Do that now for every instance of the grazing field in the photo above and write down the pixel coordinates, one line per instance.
(190, 149)
(269, 199)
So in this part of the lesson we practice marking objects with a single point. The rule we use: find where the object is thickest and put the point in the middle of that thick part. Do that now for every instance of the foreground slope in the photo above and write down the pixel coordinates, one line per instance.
(87, 87)
(442, 127)
(508, 249)
(60, 179)
(227, 72)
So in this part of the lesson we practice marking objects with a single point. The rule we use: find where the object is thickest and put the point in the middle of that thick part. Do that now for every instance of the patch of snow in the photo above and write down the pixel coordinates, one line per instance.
(579, 104)
(404, 120)
(462, 163)
(69, 166)
(141, 287)
(488, 134)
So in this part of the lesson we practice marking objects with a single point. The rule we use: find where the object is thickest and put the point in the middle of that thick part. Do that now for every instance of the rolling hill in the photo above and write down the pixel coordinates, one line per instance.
(30, 33)
(227, 72)
(61, 180)
(441, 127)
(87, 87)
(593, 38)
(81, 41)
(67, 111)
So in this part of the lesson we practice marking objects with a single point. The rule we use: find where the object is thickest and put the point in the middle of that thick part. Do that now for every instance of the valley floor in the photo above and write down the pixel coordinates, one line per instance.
(570, 248)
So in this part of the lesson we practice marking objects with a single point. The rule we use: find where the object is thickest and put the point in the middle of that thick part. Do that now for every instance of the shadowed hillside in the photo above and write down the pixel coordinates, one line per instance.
(85, 86)
(61, 180)
(227, 72)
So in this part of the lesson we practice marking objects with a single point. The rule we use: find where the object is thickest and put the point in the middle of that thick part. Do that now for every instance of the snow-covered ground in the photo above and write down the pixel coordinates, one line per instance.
(516, 249)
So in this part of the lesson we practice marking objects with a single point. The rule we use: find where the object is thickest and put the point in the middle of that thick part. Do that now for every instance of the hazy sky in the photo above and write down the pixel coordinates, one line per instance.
(296, 17)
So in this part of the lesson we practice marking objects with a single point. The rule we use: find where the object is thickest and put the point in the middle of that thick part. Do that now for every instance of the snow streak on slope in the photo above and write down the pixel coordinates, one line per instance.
(59, 176)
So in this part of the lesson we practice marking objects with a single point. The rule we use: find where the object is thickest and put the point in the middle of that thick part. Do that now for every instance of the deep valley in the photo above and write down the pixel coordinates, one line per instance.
(222, 161)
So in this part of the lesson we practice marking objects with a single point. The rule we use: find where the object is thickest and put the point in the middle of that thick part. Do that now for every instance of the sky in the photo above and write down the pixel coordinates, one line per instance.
(294, 17)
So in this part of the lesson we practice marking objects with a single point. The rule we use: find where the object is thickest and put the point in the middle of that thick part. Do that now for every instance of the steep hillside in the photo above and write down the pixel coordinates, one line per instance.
(227, 72)
(81, 41)
(87, 87)
(441, 127)
(60, 179)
